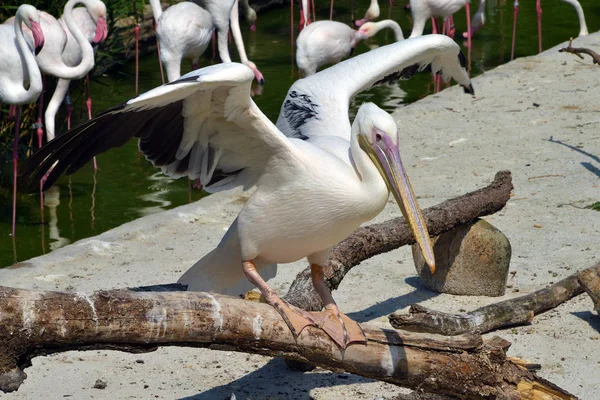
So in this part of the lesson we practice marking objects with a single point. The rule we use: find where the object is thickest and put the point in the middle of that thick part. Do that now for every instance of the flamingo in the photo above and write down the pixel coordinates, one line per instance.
(422, 10)
(92, 22)
(317, 177)
(371, 14)
(583, 30)
(50, 58)
(328, 42)
(20, 77)
(223, 13)
(183, 30)
(250, 14)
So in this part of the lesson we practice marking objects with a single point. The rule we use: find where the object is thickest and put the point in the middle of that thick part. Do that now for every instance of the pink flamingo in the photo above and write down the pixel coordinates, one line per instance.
(20, 77)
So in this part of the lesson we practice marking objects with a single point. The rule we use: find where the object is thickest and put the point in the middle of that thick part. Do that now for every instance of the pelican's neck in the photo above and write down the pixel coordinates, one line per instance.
(583, 30)
(31, 68)
(156, 9)
(388, 23)
(368, 173)
(234, 23)
(59, 68)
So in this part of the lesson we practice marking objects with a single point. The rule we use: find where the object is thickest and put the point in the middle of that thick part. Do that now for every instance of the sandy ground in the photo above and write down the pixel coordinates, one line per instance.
(538, 117)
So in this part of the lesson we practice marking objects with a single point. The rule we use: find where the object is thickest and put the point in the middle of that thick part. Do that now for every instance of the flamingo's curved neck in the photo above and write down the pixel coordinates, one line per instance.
(31, 68)
(156, 9)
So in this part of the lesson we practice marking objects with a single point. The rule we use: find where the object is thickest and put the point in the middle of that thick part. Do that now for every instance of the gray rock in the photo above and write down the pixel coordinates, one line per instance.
(470, 260)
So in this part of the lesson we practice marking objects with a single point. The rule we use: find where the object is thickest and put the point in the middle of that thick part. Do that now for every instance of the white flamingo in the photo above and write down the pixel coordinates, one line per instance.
(187, 41)
(20, 77)
(222, 11)
(328, 42)
(250, 14)
(371, 14)
(92, 23)
(318, 177)
(183, 30)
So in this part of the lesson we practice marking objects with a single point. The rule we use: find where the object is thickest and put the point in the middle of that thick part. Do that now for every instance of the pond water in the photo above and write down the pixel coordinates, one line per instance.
(127, 187)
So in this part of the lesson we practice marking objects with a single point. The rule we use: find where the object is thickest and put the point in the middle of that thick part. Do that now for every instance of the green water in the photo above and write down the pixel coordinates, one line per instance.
(127, 187)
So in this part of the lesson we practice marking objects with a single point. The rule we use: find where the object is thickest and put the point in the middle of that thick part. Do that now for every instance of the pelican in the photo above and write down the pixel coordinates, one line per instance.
(317, 177)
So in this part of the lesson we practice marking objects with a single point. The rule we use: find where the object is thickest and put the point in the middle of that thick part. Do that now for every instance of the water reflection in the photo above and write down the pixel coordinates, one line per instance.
(159, 191)
(51, 202)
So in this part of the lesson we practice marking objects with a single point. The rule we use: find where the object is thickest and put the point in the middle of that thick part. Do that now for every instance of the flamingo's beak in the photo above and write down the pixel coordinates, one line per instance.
(38, 36)
(101, 31)
(386, 156)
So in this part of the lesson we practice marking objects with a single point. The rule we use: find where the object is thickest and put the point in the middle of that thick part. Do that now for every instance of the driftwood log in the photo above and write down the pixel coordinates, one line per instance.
(578, 51)
(380, 238)
(517, 311)
(43, 322)
(589, 280)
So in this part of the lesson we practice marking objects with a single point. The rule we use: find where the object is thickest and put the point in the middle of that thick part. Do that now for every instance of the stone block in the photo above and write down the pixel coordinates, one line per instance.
(470, 260)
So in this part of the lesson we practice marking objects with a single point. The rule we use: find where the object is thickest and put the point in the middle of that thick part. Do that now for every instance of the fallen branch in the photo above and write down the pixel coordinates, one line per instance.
(589, 279)
(517, 311)
(43, 322)
(578, 51)
(380, 238)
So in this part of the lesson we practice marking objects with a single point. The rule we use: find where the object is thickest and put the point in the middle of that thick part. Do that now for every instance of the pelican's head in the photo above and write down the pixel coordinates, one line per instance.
(98, 12)
(31, 17)
(377, 135)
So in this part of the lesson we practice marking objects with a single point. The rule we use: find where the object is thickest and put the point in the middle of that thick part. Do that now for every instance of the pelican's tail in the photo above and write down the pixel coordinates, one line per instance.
(220, 271)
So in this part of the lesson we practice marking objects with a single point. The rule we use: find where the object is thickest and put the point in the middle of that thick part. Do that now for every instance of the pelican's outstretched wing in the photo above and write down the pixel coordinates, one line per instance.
(204, 125)
(318, 104)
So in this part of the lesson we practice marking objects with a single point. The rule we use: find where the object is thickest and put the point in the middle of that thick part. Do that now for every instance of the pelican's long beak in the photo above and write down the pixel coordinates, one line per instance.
(386, 156)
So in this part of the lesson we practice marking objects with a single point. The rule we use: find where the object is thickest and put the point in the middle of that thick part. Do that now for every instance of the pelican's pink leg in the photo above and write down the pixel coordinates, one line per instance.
(338, 326)
(515, 14)
(294, 318)
(15, 159)
(538, 9)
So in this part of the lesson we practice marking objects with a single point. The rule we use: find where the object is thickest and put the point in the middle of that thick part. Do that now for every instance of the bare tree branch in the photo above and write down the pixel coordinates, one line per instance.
(517, 311)
(578, 51)
(589, 279)
(42, 322)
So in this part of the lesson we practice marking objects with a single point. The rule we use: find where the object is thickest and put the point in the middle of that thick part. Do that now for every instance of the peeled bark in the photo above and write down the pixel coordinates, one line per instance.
(380, 238)
(43, 322)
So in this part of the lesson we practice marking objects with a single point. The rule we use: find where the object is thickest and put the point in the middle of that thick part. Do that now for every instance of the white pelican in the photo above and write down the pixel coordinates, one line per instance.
(317, 177)
(328, 42)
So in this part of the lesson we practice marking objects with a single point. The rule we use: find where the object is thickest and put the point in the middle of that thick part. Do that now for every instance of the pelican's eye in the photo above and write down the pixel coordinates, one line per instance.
(378, 137)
